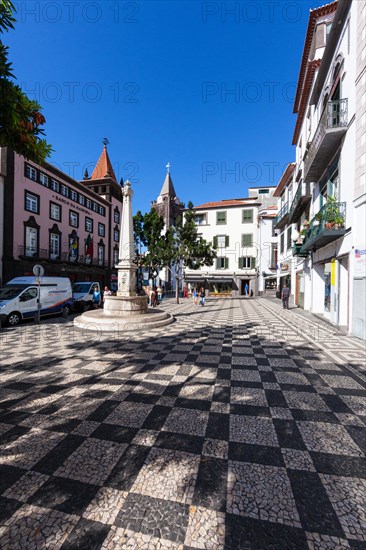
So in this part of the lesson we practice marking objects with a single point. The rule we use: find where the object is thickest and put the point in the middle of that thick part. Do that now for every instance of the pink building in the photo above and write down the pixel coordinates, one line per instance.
(70, 227)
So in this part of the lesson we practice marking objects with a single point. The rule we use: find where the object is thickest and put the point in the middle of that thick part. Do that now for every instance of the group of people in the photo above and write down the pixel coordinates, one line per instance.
(199, 294)
(155, 295)
(98, 296)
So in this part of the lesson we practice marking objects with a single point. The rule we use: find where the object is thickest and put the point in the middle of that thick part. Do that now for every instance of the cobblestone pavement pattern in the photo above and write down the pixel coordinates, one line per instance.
(240, 426)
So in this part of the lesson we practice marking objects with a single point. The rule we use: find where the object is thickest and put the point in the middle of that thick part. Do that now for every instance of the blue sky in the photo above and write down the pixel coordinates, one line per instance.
(207, 86)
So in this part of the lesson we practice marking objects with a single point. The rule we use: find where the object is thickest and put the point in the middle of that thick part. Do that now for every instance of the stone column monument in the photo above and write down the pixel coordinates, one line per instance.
(126, 311)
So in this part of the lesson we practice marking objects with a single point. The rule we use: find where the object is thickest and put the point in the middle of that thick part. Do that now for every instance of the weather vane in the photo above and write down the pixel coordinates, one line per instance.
(168, 168)
(105, 142)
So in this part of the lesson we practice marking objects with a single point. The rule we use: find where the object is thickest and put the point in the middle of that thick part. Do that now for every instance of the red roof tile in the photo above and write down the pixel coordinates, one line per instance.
(103, 167)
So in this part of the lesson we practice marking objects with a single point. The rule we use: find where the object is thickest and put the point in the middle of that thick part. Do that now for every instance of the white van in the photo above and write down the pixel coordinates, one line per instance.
(83, 294)
(19, 298)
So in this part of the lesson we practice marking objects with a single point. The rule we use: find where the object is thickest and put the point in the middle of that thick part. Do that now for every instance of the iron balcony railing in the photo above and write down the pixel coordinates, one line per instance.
(303, 191)
(334, 116)
(46, 254)
(282, 213)
(331, 218)
(298, 251)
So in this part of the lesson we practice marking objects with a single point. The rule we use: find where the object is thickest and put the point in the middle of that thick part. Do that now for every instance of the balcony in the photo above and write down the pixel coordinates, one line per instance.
(327, 138)
(300, 202)
(281, 218)
(27, 253)
(328, 225)
(297, 250)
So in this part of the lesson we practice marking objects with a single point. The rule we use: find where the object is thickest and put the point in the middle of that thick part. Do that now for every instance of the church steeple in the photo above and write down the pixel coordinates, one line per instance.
(103, 168)
(168, 187)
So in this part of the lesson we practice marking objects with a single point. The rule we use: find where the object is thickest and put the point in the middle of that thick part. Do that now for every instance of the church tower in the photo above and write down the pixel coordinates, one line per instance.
(168, 204)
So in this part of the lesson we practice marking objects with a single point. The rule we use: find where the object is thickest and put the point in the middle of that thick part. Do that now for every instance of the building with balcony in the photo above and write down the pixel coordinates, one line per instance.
(329, 178)
(233, 227)
(69, 227)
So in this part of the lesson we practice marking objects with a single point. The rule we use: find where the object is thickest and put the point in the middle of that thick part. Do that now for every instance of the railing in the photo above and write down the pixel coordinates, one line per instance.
(303, 190)
(297, 251)
(335, 115)
(331, 217)
(282, 213)
(46, 254)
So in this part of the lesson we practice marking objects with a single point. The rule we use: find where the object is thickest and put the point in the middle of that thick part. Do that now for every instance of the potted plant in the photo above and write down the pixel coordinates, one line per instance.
(331, 212)
(339, 222)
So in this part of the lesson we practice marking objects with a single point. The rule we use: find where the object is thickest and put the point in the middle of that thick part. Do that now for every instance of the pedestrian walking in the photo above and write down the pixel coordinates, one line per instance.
(160, 294)
(285, 296)
(195, 296)
(202, 296)
(246, 289)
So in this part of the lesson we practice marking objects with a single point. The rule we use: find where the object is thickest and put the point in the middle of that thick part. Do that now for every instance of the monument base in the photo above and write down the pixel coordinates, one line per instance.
(123, 314)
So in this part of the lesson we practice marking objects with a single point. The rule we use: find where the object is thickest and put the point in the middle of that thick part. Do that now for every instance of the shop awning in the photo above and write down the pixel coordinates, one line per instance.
(219, 279)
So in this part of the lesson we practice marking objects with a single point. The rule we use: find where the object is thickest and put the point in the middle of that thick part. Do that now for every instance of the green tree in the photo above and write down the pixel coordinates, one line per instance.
(21, 119)
(178, 247)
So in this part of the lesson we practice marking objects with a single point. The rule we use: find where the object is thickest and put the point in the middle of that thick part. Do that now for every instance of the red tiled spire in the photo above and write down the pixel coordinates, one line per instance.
(103, 167)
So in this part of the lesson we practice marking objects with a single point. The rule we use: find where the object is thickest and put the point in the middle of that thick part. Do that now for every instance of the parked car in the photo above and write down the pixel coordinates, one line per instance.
(83, 294)
(19, 298)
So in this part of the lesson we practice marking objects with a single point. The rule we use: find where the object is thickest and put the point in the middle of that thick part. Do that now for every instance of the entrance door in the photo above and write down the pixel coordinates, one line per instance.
(245, 287)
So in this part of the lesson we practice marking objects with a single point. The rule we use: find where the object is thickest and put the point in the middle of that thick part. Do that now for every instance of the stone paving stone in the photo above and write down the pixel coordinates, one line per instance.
(230, 429)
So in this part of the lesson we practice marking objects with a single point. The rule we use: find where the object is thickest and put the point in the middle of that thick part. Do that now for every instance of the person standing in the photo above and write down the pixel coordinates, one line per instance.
(106, 292)
(160, 294)
(246, 289)
(202, 296)
(285, 296)
(195, 296)
(96, 297)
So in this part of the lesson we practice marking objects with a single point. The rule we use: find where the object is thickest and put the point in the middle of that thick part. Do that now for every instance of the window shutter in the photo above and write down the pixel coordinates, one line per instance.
(226, 241)
(226, 263)
(252, 263)
(215, 242)
(240, 263)
(217, 263)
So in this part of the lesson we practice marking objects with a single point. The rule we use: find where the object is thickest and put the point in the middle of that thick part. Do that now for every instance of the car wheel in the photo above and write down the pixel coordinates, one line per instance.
(14, 319)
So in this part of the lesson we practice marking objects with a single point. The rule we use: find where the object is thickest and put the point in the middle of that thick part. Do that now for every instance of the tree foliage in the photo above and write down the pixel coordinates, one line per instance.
(21, 119)
(177, 247)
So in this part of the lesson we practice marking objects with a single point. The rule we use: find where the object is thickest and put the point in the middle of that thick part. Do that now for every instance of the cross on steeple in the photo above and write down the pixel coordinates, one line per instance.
(168, 168)
(105, 142)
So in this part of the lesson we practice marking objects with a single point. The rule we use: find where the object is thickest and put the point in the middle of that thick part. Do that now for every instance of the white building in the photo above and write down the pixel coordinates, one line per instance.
(233, 227)
(323, 205)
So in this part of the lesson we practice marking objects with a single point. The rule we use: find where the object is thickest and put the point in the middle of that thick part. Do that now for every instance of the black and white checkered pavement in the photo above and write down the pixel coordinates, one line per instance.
(240, 426)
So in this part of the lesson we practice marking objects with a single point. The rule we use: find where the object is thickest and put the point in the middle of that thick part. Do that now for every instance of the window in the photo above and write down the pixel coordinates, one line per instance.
(64, 190)
(289, 232)
(89, 225)
(73, 219)
(43, 179)
(31, 241)
(200, 219)
(31, 202)
(100, 254)
(263, 191)
(247, 262)
(222, 263)
(221, 218)
(95, 207)
(29, 294)
(116, 216)
(88, 203)
(116, 234)
(247, 240)
(101, 229)
(55, 212)
(282, 243)
(73, 195)
(55, 186)
(101, 210)
(54, 246)
(115, 255)
(81, 200)
(31, 172)
(247, 216)
(221, 241)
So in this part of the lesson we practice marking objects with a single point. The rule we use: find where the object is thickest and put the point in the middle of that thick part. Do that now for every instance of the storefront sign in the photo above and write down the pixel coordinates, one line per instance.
(360, 262)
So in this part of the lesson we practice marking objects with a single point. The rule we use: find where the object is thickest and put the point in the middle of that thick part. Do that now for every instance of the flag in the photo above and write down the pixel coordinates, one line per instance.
(89, 246)
(74, 243)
